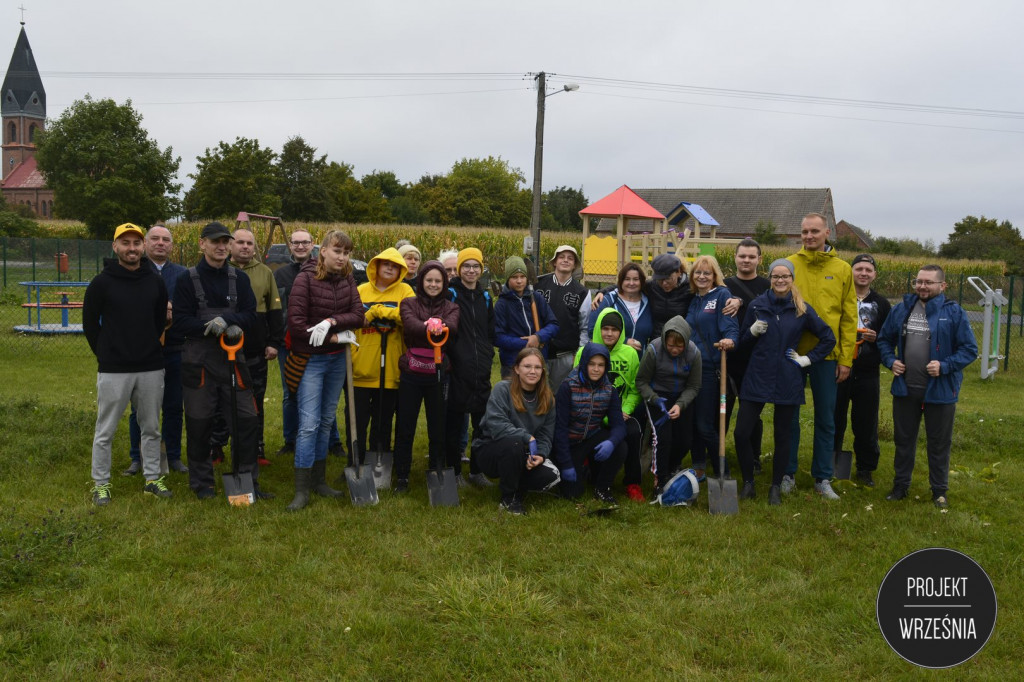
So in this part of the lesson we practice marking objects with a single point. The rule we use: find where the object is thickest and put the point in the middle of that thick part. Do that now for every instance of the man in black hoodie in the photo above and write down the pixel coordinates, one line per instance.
(123, 316)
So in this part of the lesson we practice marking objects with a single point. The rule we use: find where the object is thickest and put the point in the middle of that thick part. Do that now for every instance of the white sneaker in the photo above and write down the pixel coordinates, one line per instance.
(788, 484)
(824, 488)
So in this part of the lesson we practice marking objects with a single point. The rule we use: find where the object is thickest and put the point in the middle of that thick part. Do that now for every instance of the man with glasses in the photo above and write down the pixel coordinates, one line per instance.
(826, 282)
(926, 342)
(570, 301)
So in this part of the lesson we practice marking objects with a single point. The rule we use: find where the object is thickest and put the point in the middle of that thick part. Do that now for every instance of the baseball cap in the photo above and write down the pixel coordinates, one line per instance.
(128, 227)
(864, 258)
(215, 230)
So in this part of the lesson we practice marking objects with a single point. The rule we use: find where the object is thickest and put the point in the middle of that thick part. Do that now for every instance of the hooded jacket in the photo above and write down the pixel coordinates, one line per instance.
(641, 330)
(502, 420)
(269, 327)
(581, 405)
(623, 363)
(661, 375)
(952, 344)
(826, 282)
(312, 300)
(513, 318)
(710, 325)
(416, 310)
(472, 351)
(381, 307)
(123, 314)
(771, 376)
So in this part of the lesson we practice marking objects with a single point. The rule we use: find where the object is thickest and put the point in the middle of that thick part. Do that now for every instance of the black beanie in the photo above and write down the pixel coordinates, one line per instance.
(613, 319)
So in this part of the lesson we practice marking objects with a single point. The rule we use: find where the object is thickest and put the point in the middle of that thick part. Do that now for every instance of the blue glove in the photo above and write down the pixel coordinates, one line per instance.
(662, 403)
(569, 475)
(603, 450)
(533, 447)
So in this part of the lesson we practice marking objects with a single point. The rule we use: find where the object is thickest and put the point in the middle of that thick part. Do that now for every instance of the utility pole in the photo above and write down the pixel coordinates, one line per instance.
(538, 164)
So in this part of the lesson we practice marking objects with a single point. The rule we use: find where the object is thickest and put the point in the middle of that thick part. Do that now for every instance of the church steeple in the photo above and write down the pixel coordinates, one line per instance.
(22, 90)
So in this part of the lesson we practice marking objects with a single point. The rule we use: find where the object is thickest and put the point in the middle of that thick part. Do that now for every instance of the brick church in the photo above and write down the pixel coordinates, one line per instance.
(24, 114)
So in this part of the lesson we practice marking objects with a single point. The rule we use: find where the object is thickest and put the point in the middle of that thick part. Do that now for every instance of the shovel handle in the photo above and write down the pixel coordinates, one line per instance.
(437, 344)
(231, 349)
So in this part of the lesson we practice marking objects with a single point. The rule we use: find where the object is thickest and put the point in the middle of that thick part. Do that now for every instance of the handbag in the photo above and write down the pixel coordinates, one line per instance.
(420, 360)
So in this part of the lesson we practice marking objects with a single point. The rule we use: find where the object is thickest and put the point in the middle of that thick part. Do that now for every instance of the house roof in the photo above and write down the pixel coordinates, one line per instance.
(624, 202)
(861, 234)
(738, 211)
(22, 91)
(26, 175)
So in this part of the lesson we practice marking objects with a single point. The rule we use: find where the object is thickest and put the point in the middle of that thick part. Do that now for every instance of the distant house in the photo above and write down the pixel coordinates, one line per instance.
(737, 211)
(845, 229)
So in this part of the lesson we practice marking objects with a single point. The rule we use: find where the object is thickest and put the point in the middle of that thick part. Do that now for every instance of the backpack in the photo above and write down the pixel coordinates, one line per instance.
(680, 490)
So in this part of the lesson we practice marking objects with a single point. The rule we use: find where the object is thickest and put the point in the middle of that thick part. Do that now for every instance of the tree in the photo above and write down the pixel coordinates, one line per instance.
(480, 192)
(301, 182)
(985, 238)
(384, 183)
(562, 207)
(351, 202)
(765, 234)
(903, 246)
(104, 169)
(236, 177)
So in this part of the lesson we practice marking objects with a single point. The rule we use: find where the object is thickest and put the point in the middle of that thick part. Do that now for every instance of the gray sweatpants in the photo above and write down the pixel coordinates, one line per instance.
(114, 391)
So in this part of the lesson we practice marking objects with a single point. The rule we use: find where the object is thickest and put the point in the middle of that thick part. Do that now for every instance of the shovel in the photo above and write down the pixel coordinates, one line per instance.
(441, 486)
(359, 477)
(382, 460)
(238, 487)
(842, 464)
(723, 498)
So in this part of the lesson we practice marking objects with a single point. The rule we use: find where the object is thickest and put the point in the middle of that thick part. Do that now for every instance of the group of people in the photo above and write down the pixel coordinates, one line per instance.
(584, 374)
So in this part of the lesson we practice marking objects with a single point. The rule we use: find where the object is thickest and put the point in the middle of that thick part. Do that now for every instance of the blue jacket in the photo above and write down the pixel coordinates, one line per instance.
(771, 377)
(513, 318)
(710, 325)
(642, 330)
(581, 406)
(952, 344)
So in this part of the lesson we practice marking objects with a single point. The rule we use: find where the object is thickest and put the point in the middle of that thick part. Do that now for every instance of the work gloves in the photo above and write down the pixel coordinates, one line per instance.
(533, 448)
(318, 333)
(800, 360)
(758, 328)
(662, 403)
(603, 450)
(233, 334)
(569, 474)
(348, 336)
(215, 327)
(435, 326)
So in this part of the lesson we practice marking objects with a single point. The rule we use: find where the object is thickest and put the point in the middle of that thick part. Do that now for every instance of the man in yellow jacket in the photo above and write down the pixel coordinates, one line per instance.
(381, 294)
(826, 282)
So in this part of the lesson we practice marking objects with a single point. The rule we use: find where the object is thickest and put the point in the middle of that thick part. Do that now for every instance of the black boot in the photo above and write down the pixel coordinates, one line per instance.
(774, 495)
(302, 481)
(748, 492)
(319, 481)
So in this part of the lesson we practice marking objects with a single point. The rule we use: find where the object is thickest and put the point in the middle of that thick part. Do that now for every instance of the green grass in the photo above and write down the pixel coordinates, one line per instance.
(181, 589)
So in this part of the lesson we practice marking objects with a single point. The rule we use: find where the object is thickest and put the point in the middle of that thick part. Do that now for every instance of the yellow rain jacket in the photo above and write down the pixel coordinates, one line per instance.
(380, 305)
(826, 282)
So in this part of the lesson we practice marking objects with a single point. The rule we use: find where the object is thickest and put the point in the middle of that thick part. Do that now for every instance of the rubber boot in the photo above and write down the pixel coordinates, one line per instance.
(302, 484)
(320, 486)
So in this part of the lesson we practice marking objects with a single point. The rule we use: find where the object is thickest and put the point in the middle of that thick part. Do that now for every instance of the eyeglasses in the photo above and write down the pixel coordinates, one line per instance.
(925, 282)
(305, 243)
(780, 277)
(471, 266)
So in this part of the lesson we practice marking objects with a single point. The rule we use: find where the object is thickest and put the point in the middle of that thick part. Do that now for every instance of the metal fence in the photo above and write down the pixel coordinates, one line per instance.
(75, 262)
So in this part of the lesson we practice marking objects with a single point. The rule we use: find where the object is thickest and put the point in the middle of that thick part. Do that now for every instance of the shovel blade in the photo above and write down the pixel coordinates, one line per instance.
(238, 488)
(723, 497)
(381, 464)
(842, 464)
(442, 489)
(360, 485)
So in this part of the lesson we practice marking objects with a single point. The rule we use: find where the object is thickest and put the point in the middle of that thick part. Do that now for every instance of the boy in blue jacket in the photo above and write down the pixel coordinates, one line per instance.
(522, 317)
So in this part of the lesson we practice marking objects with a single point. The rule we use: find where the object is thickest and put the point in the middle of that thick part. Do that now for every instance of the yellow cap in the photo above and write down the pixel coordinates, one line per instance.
(128, 227)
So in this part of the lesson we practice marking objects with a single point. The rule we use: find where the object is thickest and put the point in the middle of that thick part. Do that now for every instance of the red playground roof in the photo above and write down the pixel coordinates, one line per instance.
(624, 202)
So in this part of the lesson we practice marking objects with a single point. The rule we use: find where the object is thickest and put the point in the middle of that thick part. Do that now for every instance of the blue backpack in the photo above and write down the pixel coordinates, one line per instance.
(680, 490)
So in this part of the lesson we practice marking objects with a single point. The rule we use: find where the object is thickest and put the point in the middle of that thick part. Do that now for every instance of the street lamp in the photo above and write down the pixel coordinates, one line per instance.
(538, 161)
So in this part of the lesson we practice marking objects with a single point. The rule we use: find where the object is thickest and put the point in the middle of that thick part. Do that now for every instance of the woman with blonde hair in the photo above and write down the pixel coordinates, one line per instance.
(516, 432)
(772, 327)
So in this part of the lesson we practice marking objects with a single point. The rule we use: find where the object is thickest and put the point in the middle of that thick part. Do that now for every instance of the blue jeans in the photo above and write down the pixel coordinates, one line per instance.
(823, 390)
(173, 409)
(317, 402)
(290, 408)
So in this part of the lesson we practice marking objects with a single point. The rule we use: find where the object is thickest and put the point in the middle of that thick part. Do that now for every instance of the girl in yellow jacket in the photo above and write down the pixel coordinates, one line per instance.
(381, 295)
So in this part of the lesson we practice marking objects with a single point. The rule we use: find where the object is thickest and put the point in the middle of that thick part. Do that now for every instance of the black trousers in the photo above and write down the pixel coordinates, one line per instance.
(938, 427)
(859, 395)
(601, 473)
(632, 474)
(375, 411)
(453, 440)
(675, 437)
(505, 460)
(415, 390)
(736, 380)
(748, 419)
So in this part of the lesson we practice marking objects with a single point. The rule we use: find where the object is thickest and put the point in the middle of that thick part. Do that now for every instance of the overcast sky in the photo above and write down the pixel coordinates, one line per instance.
(894, 171)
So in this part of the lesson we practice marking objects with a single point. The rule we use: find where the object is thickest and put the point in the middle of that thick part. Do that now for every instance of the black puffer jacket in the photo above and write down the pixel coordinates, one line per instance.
(415, 311)
(313, 300)
(472, 352)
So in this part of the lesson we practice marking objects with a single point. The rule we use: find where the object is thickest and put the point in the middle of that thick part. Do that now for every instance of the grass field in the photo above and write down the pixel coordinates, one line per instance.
(182, 589)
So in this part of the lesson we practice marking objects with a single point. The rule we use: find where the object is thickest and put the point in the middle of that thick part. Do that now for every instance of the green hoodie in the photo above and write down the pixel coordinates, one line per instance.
(624, 363)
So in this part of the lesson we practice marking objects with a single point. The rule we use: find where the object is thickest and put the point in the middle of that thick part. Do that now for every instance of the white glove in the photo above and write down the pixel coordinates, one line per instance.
(348, 336)
(318, 333)
(758, 328)
(800, 360)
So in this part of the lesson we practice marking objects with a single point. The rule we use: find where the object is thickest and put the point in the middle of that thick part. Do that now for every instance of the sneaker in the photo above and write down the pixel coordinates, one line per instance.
(157, 487)
(941, 501)
(286, 449)
(824, 488)
(865, 479)
(262, 494)
(133, 468)
(513, 506)
(788, 484)
(896, 494)
(604, 495)
(748, 492)
(460, 481)
(757, 467)
(402, 486)
(216, 455)
(263, 461)
(176, 465)
(480, 481)
(634, 492)
(206, 493)
(101, 494)
(774, 496)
